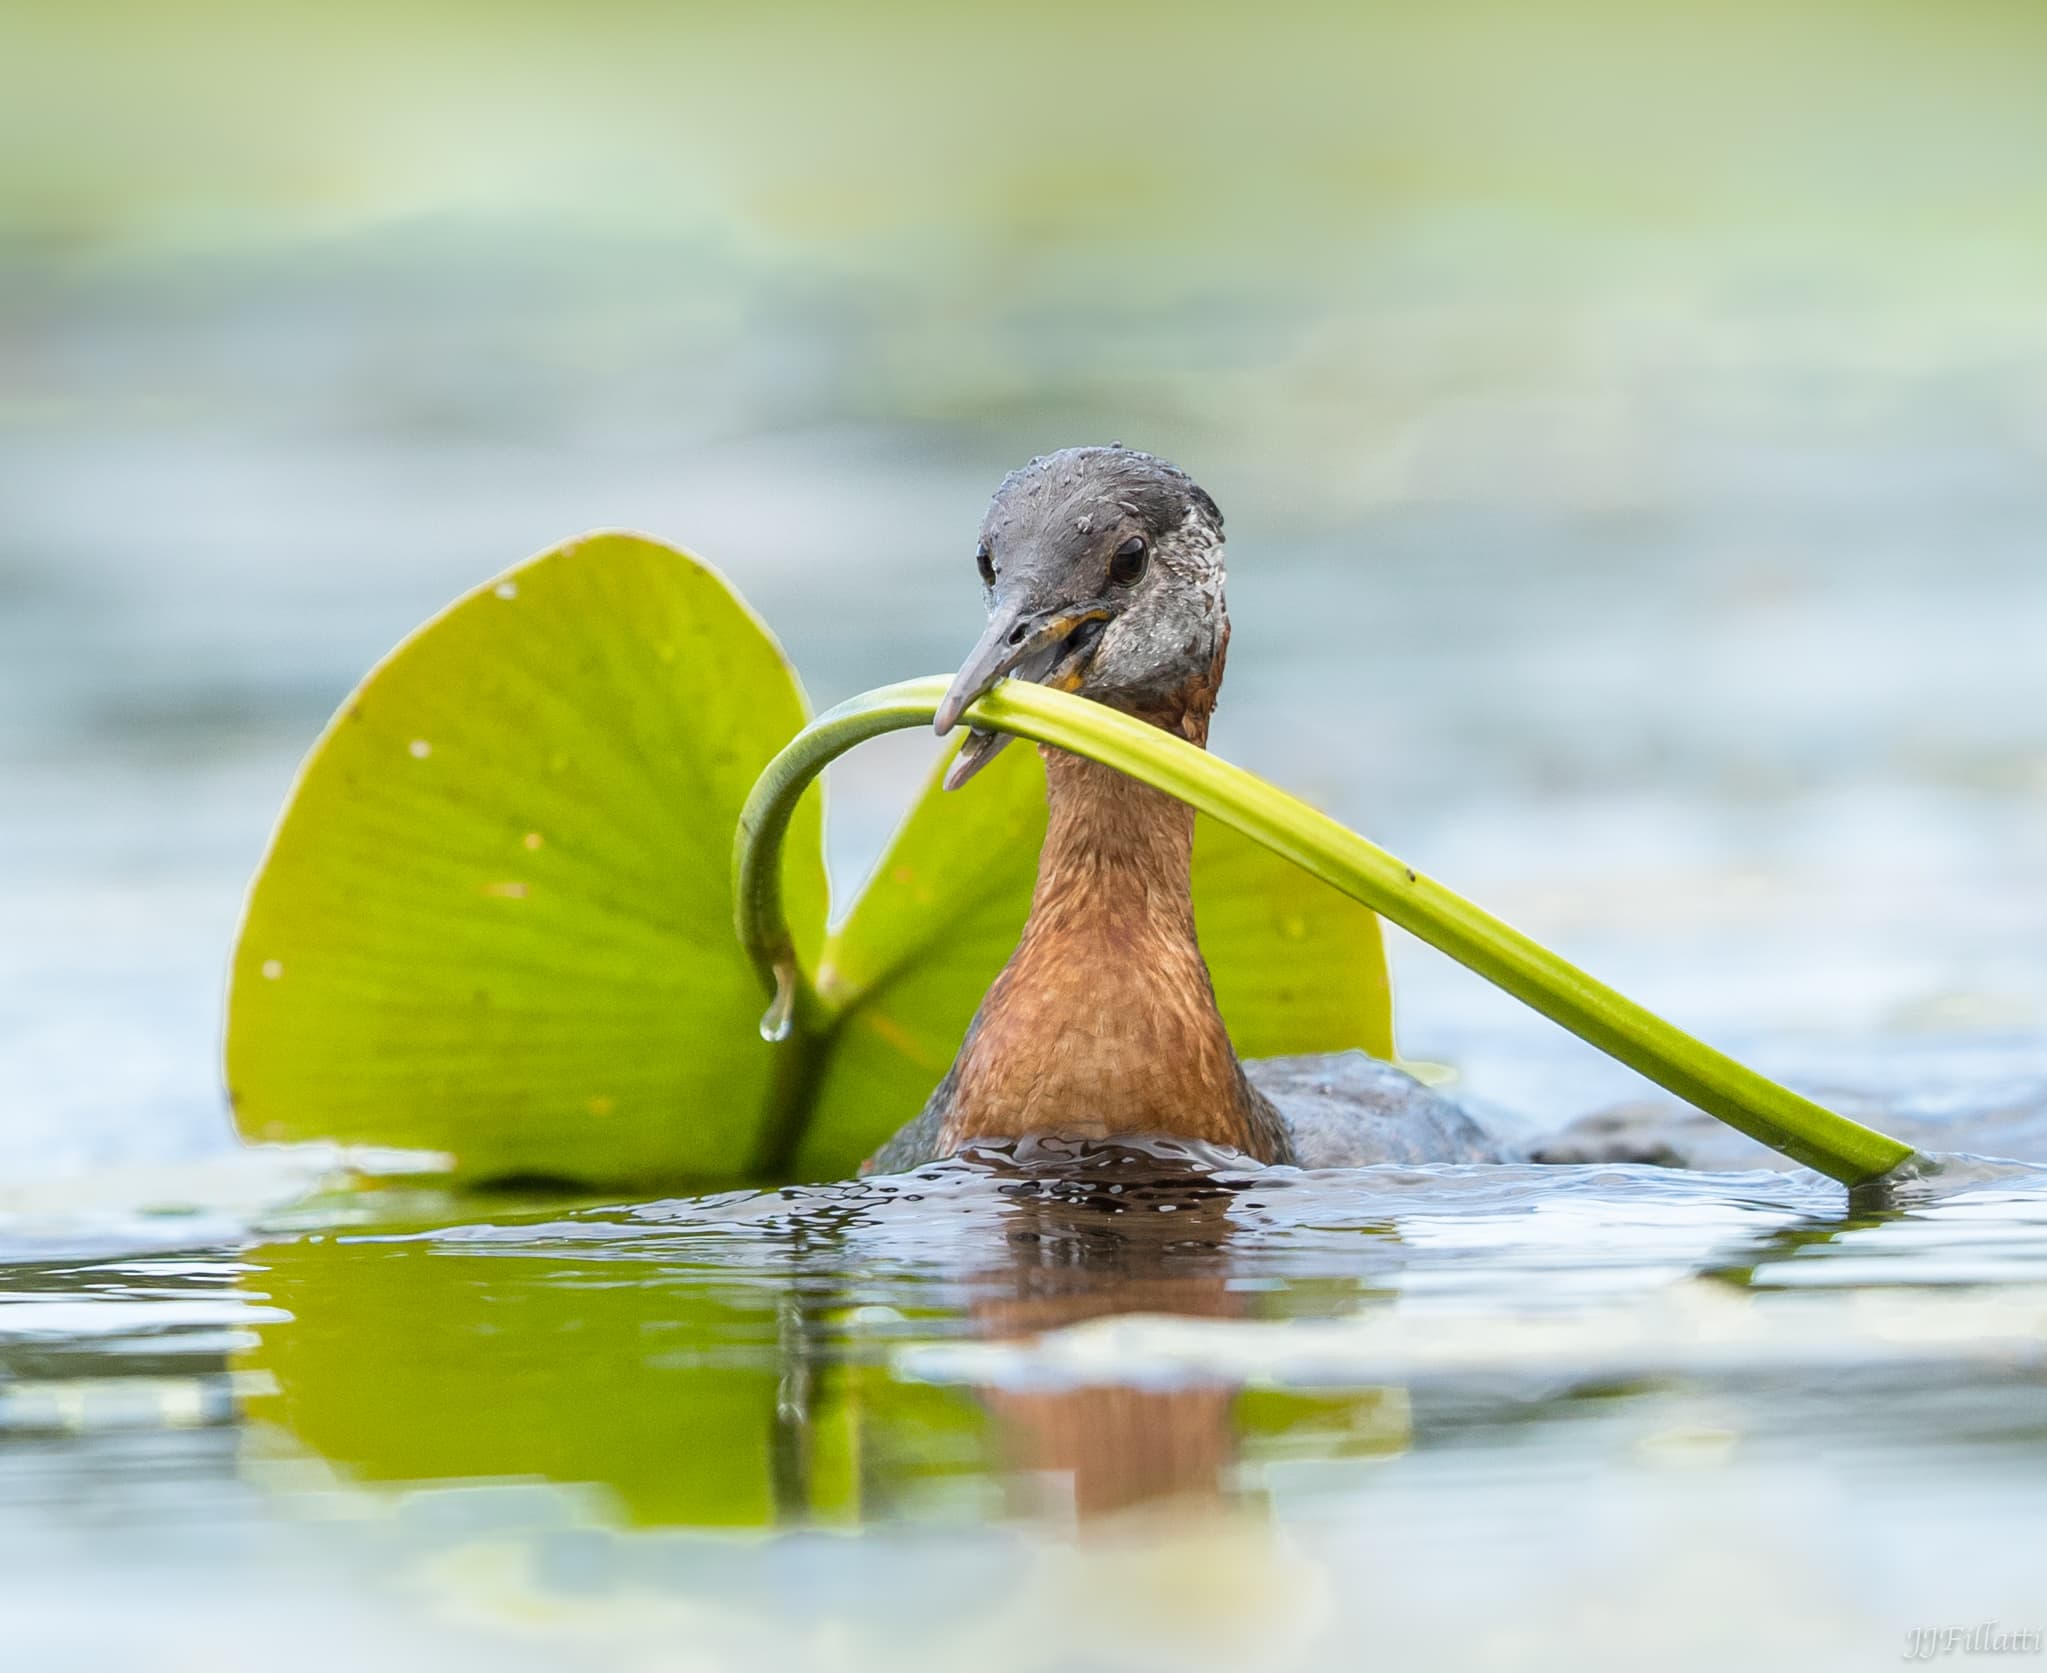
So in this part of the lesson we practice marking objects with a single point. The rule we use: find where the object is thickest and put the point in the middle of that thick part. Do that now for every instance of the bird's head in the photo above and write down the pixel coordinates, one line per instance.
(1102, 572)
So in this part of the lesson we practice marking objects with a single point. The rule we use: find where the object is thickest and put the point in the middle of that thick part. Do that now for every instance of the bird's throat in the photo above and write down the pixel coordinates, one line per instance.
(1104, 1022)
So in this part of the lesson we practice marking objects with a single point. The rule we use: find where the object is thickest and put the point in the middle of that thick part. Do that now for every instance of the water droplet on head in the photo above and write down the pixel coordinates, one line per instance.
(420, 748)
(506, 589)
(532, 842)
(272, 969)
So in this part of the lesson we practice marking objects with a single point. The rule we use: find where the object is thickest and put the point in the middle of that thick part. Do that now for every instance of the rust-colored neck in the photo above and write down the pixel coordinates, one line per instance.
(1112, 845)
(1104, 1021)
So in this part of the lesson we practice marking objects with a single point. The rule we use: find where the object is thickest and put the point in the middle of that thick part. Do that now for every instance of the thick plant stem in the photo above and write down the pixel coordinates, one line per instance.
(800, 1059)
(1799, 1128)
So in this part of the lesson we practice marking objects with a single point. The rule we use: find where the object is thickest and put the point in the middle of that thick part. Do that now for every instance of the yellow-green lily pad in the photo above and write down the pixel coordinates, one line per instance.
(496, 918)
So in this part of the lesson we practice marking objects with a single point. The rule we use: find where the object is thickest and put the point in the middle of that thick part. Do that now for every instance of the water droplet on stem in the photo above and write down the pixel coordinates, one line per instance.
(781, 1012)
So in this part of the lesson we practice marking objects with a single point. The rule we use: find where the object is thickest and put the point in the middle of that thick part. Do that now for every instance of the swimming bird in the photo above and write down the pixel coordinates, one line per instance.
(1102, 572)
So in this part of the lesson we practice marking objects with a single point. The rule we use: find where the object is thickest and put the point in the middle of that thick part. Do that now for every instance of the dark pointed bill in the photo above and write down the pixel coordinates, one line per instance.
(975, 753)
(1048, 647)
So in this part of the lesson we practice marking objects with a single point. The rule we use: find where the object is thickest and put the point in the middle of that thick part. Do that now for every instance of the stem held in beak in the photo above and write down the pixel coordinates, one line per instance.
(1029, 645)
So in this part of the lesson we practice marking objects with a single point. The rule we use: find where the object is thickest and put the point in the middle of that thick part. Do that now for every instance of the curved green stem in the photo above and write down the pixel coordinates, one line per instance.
(1779, 1117)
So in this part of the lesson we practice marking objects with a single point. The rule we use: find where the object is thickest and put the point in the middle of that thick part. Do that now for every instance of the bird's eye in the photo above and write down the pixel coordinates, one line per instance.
(985, 561)
(1127, 566)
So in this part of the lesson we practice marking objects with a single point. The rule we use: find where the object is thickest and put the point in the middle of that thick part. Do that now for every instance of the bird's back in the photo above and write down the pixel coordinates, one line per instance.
(1338, 1110)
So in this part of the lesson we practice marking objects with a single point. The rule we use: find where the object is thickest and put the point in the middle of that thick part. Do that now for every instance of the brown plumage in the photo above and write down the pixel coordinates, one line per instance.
(1103, 1022)
(1103, 573)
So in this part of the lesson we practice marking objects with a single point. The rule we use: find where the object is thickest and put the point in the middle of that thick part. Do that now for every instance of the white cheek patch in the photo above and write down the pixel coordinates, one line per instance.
(1183, 617)
(1195, 557)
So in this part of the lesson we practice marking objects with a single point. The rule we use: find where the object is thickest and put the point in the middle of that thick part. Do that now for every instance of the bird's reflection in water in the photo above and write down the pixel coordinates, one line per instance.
(1097, 1232)
(726, 1346)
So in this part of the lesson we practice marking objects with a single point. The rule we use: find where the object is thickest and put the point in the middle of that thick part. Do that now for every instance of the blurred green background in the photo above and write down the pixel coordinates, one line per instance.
(1631, 421)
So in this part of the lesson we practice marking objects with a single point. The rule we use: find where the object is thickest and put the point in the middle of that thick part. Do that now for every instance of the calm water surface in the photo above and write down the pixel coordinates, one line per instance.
(1040, 1412)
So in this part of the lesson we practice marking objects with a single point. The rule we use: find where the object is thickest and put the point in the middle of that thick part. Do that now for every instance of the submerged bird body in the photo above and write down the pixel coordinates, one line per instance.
(1103, 573)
